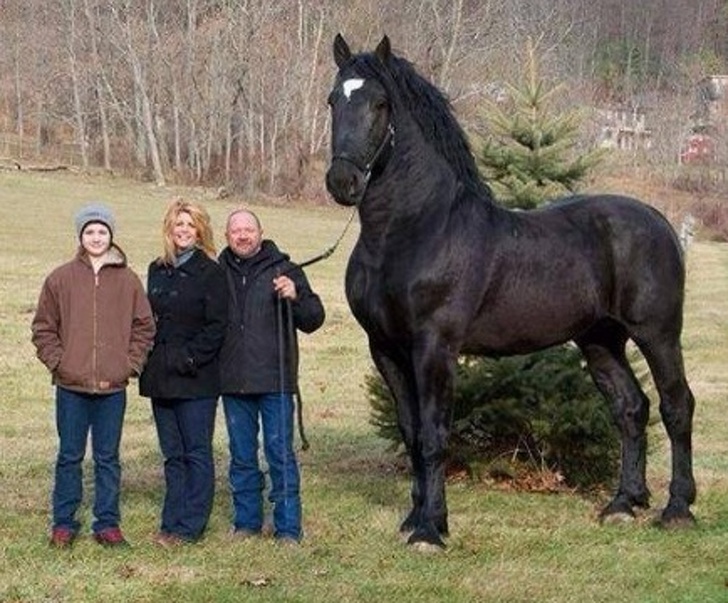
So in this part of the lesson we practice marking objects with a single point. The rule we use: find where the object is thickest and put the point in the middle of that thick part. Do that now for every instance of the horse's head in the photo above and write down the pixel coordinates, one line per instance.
(361, 130)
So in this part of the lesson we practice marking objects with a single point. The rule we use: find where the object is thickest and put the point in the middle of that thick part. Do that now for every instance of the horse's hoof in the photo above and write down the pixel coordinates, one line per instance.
(617, 519)
(670, 521)
(423, 540)
(427, 548)
(678, 523)
(617, 512)
(676, 515)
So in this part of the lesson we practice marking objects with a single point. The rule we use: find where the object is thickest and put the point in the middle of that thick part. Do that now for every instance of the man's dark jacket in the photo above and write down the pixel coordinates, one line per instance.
(190, 307)
(260, 324)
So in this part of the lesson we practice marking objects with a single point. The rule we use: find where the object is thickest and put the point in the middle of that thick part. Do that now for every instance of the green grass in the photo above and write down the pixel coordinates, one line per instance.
(505, 546)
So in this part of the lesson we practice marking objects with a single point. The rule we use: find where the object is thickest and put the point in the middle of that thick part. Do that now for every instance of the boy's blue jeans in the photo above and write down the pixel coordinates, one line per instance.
(77, 414)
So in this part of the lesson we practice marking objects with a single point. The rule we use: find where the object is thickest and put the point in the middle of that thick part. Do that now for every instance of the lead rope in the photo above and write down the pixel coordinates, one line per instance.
(330, 251)
(291, 334)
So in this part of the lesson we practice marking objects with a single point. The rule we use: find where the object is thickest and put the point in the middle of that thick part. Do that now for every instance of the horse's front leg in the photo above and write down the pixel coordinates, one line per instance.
(434, 375)
(396, 370)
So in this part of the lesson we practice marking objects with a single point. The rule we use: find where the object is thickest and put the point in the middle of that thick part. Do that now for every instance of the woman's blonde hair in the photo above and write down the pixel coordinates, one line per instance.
(201, 222)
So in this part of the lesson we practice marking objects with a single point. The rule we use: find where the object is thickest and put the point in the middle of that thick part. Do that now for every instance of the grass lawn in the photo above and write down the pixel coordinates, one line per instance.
(505, 546)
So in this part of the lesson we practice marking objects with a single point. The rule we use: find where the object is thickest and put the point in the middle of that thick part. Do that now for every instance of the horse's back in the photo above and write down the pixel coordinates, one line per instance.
(639, 238)
(580, 261)
(645, 261)
(619, 208)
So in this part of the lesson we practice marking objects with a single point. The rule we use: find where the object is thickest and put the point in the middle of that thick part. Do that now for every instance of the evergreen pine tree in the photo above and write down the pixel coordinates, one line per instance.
(532, 156)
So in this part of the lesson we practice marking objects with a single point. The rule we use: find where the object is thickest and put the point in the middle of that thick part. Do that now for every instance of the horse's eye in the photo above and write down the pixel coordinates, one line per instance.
(381, 104)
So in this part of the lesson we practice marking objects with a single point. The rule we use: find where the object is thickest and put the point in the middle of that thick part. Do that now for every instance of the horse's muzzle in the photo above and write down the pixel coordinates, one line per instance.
(346, 182)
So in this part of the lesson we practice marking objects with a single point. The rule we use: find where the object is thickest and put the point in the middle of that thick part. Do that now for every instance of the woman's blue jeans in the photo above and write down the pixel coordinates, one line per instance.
(242, 416)
(77, 414)
(185, 429)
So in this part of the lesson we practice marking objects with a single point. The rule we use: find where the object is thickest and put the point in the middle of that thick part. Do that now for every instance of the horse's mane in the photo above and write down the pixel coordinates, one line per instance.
(430, 109)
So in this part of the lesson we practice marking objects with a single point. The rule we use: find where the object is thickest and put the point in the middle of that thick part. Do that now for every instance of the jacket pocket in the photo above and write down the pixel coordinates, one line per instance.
(118, 369)
(180, 362)
(67, 373)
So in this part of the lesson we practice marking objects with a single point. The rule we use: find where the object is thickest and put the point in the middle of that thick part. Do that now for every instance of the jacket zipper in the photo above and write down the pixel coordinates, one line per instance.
(95, 334)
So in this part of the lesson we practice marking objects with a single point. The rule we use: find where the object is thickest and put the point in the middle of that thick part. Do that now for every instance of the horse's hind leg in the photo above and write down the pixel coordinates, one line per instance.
(676, 409)
(604, 350)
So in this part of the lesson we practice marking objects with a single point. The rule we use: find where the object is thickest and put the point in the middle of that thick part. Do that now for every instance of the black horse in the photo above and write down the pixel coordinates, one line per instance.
(440, 269)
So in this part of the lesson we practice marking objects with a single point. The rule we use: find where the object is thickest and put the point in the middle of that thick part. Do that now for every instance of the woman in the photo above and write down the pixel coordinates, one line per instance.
(188, 294)
(93, 329)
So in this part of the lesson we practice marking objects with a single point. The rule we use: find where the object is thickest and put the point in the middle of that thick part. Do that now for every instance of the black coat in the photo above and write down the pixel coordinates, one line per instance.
(190, 307)
(250, 359)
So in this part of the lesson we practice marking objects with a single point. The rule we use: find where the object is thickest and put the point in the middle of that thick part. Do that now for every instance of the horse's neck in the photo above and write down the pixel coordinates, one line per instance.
(416, 188)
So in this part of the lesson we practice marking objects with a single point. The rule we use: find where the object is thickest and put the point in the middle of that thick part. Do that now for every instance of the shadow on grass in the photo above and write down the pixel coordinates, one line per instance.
(358, 463)
(342, 462)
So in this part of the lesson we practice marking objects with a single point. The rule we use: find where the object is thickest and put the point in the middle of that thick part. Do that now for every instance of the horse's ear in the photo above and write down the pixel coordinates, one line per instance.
(384, 50)
(342, 54)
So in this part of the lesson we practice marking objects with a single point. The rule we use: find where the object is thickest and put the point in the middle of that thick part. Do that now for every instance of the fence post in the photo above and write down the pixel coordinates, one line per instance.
(686, 231)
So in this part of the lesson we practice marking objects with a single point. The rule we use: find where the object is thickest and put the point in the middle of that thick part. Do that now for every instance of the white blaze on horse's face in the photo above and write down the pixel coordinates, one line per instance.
(349, 86)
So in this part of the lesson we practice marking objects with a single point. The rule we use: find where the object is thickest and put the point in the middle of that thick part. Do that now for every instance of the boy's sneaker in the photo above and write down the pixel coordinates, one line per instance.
(62, 538)
(110, 537)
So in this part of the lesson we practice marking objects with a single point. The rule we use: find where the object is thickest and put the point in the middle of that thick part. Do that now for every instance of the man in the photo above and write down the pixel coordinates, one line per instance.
(270, 299)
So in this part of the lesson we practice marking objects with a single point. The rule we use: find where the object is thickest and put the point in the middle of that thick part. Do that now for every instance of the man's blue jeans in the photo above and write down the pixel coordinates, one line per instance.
(242, 416)
(185, 429)
(77, 414)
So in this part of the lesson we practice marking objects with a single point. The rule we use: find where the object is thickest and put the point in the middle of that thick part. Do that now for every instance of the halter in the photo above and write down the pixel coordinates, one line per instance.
(388, 140)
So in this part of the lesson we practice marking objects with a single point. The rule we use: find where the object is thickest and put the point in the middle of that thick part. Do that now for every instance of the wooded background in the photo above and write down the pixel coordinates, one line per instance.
(233, 92)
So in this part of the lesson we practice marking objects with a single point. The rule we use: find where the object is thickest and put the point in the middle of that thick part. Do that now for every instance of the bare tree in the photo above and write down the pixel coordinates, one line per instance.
(98, 81)
(233, 91)
(69, 23)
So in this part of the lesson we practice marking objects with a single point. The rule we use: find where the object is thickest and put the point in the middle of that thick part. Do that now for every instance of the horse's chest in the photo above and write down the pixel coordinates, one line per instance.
(374, 299)
(365, 291)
